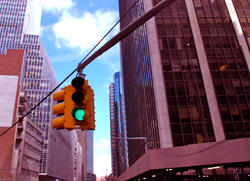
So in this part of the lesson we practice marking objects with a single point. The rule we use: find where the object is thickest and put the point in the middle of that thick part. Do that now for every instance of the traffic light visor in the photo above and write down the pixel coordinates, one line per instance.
(78, 83)
(78, 113)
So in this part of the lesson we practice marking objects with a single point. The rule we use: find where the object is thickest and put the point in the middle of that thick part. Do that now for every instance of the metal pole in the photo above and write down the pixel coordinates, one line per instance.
(126, 31)
(197, 174)
(227, 174)
(243, 174)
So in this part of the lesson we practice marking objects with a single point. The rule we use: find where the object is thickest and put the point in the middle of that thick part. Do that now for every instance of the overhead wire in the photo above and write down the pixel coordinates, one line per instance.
(20, 119)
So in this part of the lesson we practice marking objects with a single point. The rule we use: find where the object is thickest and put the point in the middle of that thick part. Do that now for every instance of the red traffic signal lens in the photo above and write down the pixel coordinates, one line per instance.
(77, 83)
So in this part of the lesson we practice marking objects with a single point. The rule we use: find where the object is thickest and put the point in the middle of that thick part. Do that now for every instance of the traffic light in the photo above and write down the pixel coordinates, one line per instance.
(78, 106)
(90, 111)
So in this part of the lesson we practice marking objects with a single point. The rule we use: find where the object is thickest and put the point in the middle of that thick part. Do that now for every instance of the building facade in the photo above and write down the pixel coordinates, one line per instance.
(186, 74)
(19, 29)
(82, 140)
(21, 145)
(90, 151)
(90, 156)
(117, 127)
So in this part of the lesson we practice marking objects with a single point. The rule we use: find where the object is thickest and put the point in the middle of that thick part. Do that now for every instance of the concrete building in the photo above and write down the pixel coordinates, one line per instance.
(20, 25)
(186, 85)
(20, 146)
(119, 157)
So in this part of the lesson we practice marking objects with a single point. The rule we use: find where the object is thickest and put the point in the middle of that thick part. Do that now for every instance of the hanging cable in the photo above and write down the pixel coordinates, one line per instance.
(70, 73)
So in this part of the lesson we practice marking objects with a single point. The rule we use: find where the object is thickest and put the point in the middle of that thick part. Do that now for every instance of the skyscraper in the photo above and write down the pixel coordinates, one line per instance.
(186, 74)
(117, 127)
(90, 156)
(90, 151)
(19, 29)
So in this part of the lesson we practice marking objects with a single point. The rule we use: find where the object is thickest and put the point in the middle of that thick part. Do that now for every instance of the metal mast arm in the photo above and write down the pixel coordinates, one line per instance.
(126, 31)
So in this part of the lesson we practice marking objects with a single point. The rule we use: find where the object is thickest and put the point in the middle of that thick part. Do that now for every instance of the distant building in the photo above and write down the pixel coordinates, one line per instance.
(19, 29)
(117, 127)
(78, 163)
(102, 178)
(82, 140)
(21, 145)
(91, 176)
(90, 151)
(187, 87)
(90, 156)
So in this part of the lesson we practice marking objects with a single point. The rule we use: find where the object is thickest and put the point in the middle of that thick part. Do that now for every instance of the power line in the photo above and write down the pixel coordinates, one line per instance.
(70, 73)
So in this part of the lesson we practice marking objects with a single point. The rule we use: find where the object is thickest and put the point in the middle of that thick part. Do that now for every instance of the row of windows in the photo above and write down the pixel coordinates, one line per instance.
(227, 65)
(243, 11)
(34, 140)
(31, 148)
(31, 160)
(29, 173)
(185, 92)
(32, 128)
(33, 40)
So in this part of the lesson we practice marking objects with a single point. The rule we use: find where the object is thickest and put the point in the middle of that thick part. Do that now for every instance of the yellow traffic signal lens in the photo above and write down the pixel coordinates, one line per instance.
(78, 113)
(78, 98)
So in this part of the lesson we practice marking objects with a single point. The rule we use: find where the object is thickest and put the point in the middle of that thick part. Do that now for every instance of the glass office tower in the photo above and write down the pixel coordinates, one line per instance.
(186, 73)
(19, 29)
(117, 127)
(90, 151)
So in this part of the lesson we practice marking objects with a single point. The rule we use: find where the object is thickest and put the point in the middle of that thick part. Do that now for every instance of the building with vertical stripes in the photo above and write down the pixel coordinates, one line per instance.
(119, 156)
(187, 88)
(90, 156)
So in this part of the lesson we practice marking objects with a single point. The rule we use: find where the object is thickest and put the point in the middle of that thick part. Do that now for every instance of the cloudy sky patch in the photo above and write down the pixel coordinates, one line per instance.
(56, 6)
(83, 32)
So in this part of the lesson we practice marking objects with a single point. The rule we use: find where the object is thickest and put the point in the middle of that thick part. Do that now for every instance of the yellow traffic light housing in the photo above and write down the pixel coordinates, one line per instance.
(78, 106)
(91, 111)
(80, 97)
(66, 121)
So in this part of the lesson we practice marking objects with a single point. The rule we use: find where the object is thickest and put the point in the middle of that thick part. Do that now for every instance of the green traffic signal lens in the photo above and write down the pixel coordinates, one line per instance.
(78, 113)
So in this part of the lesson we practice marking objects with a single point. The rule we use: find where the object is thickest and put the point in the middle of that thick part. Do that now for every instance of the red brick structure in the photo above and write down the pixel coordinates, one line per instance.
(11, 64)
(21, 145)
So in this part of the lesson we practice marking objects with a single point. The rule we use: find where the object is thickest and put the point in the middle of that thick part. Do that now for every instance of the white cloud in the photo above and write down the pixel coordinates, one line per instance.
(91, 4)
(102, 159)
(57, 5)
(44, 29)
(102, 143)
(106, 86)
(85, 31)
(106, 142)
(102, 165)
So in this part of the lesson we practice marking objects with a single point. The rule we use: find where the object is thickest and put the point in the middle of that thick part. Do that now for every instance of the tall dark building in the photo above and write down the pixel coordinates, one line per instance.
(186, 75)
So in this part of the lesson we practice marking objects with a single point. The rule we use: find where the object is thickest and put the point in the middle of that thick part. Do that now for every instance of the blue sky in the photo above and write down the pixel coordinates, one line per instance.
(69, 30)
